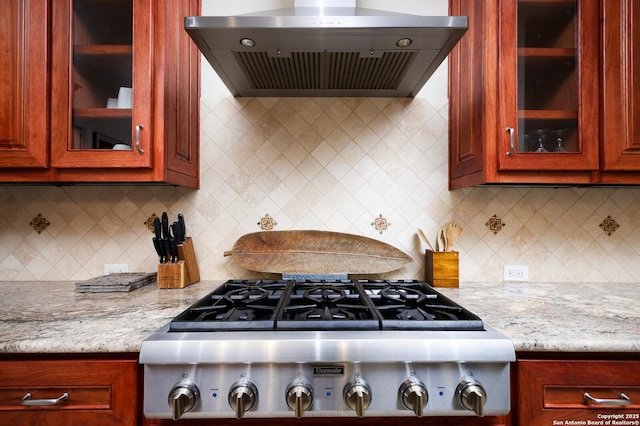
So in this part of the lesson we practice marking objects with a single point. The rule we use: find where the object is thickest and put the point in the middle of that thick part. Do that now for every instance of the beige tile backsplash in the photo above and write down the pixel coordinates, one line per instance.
(323, 163)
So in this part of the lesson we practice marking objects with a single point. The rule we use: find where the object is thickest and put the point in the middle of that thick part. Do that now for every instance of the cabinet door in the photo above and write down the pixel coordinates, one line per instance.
(578, 392)
(102, 84)
(621, 86)
(548, 90)
(23, 84)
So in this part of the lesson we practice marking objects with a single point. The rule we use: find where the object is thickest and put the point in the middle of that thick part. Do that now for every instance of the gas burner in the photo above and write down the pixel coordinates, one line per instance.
(326, 305)
(237, 305)
(416, 306)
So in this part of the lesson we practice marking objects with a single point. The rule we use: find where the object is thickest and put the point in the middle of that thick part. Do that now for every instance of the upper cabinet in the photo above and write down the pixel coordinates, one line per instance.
(124, 95)
(525, 92)
(103, 88)
(621, 89)
(23, 84)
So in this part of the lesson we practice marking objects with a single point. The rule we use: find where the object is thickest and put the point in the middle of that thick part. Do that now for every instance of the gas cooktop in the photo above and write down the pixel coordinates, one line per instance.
(325, 305)
(325, 348)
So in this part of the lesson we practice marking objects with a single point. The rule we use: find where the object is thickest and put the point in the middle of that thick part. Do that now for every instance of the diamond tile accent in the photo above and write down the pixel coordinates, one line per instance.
(495, 224)
(267, 223)
(39, 223)
(609, 225)
(380, 224)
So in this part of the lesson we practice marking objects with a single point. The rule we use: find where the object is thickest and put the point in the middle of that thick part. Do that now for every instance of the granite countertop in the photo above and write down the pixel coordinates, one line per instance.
(49, 317)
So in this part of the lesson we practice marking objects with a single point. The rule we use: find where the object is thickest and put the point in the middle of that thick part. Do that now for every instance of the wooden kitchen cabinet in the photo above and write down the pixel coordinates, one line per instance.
(621, 91)
(23, 84)
(552, 392)
(524, 93)
(99, 391)
(124, 91)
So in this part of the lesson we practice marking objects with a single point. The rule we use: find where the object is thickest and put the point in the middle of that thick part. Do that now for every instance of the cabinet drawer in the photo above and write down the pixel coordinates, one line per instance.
(553, 392)
(100, 391)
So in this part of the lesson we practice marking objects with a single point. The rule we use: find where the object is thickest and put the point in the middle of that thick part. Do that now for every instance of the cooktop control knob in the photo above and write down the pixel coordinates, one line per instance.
(243, 397)
(472, 396)
(299, 396)
(413, 395)
(182, 398)
(357, 396)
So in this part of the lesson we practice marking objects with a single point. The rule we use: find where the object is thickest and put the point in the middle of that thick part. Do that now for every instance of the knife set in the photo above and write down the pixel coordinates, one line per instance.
(178, 266)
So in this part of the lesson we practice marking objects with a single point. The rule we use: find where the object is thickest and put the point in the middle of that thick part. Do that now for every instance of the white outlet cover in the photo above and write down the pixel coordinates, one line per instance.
(516, 273)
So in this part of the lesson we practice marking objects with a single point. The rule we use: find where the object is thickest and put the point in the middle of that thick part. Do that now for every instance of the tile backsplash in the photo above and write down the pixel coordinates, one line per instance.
(369, 166)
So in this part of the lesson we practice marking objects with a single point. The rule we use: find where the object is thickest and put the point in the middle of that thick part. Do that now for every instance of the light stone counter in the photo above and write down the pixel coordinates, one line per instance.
(49, 317)
(558, 317)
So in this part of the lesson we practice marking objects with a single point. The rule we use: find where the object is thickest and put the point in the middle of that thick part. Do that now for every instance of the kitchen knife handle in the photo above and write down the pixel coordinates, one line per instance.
(183, 227)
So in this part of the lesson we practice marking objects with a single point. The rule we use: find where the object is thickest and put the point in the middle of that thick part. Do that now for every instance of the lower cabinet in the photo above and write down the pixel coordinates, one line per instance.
(578, 392)
(69, 391)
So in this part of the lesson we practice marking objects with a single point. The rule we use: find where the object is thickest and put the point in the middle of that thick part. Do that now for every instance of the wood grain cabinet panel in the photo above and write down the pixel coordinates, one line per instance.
(545, 92)
(621, 91)
(554, 392)
(118, 102)
(23, 84)
(98, 392)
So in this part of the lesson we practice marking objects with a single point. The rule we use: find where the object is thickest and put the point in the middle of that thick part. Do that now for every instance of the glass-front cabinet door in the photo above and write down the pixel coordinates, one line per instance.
(548, 85)
(101, 84)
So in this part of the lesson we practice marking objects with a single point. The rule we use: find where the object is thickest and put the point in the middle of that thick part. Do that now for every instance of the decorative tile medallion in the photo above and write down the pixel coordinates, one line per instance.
(267, 223)
(495, 224)
(609, 225)
(39, 223)
(149, 222)
(380, 224)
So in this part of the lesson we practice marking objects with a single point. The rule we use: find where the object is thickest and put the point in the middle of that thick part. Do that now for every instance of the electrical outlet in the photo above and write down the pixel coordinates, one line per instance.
(516, 273)
(115, 268)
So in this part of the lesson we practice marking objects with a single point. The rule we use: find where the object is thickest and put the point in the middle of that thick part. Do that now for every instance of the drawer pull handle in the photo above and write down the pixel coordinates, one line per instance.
(623, 400)
(26, 400)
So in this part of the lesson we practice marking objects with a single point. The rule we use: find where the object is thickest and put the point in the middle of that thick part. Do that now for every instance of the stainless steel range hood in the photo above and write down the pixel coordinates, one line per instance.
(325, 48)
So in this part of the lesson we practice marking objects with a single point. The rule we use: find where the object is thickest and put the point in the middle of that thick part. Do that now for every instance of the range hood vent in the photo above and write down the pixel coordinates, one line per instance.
(325, 51)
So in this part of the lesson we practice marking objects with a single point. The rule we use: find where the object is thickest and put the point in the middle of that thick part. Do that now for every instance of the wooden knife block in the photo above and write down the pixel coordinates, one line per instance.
(442, 268)
(181, 273)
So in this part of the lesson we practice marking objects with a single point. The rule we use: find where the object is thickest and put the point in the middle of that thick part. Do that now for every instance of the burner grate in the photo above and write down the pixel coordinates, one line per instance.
(414, 305)
(325, 305)
(322, 305)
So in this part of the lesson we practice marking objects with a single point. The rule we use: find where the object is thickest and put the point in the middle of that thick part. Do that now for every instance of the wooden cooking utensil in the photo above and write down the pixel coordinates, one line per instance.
(425, 239)
(452, 232)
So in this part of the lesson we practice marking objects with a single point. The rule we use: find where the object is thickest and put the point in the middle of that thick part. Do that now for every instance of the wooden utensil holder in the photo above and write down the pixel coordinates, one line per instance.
(442, 268)
(181, 273)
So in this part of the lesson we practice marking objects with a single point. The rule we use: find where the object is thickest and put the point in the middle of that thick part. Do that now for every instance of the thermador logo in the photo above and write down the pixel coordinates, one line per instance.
(328, 371)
